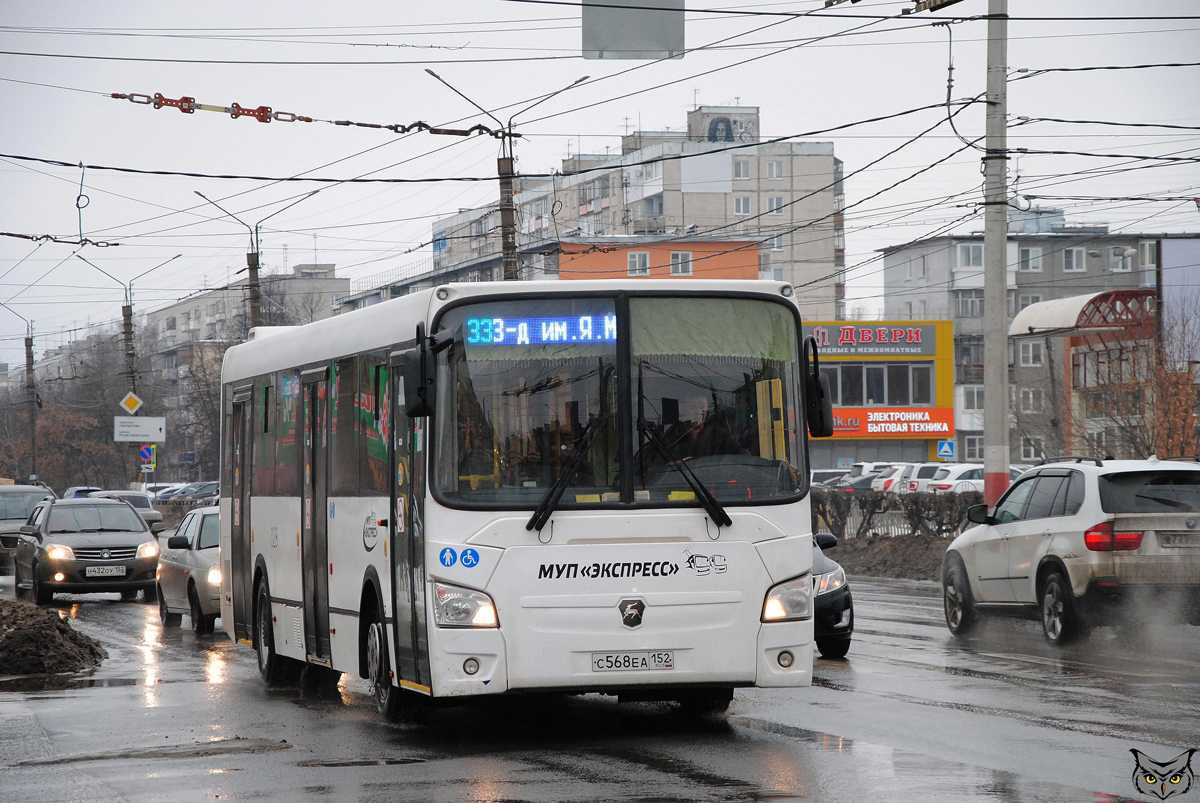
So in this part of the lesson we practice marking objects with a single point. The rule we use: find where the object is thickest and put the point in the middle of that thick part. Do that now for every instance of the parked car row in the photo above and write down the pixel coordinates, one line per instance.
(901, 478)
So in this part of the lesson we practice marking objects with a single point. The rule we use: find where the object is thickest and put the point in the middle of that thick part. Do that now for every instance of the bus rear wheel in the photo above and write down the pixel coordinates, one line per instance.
(275, 669)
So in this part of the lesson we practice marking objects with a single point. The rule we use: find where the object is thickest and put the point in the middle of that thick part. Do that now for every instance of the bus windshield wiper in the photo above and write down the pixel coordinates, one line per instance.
(575, 459)
(707, 499)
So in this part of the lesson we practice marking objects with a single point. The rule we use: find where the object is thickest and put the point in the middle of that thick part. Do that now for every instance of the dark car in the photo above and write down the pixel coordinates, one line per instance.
(180, 491)
(16, 503)
(84, 546)
(204, 492)
(833, 617)
(851, 484)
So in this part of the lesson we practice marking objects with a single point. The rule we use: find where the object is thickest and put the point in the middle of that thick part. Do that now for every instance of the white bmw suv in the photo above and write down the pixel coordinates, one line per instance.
(1081, 542)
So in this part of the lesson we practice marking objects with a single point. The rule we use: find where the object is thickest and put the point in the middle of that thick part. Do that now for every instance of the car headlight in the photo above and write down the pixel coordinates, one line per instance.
(214, 575)
(462, 607)
(147, 549)
(59, 552)
(789, 601)
(829, 581)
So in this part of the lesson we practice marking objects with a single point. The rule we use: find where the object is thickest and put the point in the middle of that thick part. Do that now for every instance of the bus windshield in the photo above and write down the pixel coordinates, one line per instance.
(533, 388)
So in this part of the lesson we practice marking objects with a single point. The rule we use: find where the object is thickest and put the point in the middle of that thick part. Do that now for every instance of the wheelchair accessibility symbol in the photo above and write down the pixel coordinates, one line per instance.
(470, 558)
(448, 557)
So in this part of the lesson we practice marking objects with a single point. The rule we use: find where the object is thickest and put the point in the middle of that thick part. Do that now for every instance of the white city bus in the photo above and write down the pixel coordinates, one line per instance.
(577, 486)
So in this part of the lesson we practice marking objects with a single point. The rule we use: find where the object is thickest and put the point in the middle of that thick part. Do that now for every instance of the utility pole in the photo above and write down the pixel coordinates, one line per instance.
(508, 212)
(31, 399)
(504, 169)
(996, 455)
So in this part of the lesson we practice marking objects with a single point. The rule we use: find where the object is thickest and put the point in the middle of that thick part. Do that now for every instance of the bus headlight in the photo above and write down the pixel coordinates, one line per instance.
(462, 607)
(789, 601)
(147, 549)
(830, 581)
(214, 575)
(59, 552)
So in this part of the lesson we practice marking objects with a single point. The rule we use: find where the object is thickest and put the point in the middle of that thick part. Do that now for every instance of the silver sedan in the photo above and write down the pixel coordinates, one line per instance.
(189, 572)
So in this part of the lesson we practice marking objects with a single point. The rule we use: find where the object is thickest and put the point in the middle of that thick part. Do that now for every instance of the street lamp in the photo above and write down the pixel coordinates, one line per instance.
(252, 255)
(504, 168)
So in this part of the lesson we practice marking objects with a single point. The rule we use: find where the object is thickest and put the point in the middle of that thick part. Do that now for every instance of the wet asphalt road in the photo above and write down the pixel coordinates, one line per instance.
(911, 715)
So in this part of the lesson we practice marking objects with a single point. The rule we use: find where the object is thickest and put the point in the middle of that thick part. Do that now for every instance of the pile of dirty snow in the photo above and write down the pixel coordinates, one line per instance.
(37, 640)
(901, 557)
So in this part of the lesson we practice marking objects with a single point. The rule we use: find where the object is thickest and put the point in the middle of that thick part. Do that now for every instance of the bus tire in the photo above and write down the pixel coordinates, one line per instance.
(276, 670)
(387, 696)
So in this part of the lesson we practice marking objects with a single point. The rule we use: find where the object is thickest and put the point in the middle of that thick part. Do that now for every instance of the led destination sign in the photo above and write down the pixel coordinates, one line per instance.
(540, 331)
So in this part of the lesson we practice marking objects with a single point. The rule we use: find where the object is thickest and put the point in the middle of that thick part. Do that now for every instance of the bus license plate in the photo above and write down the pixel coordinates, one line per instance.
(104, 571)
(632, 661)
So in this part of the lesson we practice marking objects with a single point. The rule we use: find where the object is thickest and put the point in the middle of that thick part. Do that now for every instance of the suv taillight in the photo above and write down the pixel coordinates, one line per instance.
(1101, 538)
(943, 486)
(912, 485)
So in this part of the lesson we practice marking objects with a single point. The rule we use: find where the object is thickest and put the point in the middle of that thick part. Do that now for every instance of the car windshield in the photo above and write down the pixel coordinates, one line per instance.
(1150, 492)
(18, 505)
(712, 381)
(90, 518)
(210, 532)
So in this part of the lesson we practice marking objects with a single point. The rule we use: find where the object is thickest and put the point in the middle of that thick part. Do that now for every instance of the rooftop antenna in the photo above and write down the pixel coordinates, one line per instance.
(285, 258)
(314, 249)
(696, 98)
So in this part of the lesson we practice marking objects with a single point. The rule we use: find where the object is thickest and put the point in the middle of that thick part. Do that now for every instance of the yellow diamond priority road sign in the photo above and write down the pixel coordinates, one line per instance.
(131, 403)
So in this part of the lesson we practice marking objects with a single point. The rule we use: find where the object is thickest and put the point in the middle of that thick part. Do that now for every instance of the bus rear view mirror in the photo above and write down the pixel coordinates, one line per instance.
(818, 402)
(418, 367)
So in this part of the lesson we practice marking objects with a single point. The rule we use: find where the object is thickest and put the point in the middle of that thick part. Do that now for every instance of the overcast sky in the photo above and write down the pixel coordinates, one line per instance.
(366, 61)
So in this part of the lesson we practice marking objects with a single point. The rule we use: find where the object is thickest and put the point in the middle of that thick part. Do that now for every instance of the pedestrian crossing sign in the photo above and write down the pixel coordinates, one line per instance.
(945, 449)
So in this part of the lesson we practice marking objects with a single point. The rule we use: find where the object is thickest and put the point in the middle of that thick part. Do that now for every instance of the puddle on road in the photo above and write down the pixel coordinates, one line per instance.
(218, 747)
(362, 762)
(62, 682)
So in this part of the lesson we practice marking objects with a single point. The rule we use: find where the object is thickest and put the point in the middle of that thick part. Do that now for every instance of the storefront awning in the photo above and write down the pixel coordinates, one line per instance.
(1110, 310)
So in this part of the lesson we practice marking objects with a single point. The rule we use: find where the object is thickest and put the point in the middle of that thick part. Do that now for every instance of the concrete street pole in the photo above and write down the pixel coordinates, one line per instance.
(31, 398)
(995, 261)
(508, 212)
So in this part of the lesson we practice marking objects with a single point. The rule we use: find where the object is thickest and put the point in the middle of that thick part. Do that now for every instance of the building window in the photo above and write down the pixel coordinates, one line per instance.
(916, 267)
(1031, 400)
(741, 205)
(1148, 254)
(777, 242)
(639, 263)
(1031, 449)
(970, 256)
(894, 384)
(1031, 354)
(1029, 259)
(774, 169)
(973, 448)
(777, 274)
(741, 168)
(1073, 260)
(171, 323)
(681, 263)
(970, 303)
(1026, 300)
(775, 205)
(973, 397)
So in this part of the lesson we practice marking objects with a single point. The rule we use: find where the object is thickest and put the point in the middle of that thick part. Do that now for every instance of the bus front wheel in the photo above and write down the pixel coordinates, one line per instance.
(394, 703)
(275, 669)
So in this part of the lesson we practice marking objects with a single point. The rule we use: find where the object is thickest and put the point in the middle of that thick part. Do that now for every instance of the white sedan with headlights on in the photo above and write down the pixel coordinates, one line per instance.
(189, 572)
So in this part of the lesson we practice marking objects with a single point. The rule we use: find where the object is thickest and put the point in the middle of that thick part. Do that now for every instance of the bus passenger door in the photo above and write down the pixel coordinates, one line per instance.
(314, 548)
(408, 566)
(241, 568)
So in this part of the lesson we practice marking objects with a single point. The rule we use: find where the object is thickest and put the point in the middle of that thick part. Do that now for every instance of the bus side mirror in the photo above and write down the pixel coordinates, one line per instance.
(419, 367)
(418, 393)
(818, 403)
